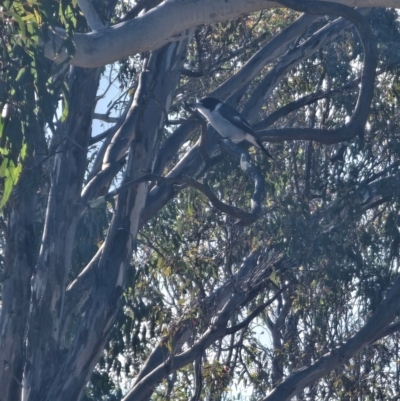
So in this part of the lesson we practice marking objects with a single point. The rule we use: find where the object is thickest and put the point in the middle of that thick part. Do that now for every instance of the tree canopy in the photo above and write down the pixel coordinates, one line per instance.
(143, 256)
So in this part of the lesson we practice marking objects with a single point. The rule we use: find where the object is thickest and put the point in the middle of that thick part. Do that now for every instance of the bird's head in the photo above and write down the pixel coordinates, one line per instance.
(209, 103)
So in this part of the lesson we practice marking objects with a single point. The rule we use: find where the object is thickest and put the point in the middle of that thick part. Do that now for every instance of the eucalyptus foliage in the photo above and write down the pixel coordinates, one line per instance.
(138, 259)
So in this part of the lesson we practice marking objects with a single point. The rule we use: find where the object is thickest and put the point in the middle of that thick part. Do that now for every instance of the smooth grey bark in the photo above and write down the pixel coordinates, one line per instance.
(141, 135)
(53, 263)
(162, 25)
(91, 15)
(83, 282)
(20, 261)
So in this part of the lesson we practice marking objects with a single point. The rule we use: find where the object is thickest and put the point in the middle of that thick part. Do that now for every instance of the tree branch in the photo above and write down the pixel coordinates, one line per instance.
(269, 53)
(63, 212)
(250, 280)
(184, 181)
(307, 100)
(159, 26)
(375, 327)
(91, 15)
(198, 379)
(244, 323)
(105, 117)
(160, 195)
(110, 264)
(357, 122)
(289, 60)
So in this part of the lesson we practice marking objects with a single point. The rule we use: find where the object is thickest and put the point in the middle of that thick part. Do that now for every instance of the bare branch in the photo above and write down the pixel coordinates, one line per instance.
(162, 25)
(105, 117)
(375, 327)
(159, 196)
(91, 15)
(393, 328)
(183, 181)
(307, 100)
(357, 122)
(254, 313)
(269, 53)
(198, 379)
(251, 278)
(292, 58)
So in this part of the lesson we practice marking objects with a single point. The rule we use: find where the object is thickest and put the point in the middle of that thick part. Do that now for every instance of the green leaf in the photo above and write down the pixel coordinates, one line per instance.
(274, 278)
(66, 104)
(11, 173)
(24, 151)
(21, 74)
(37, 16)
(3, 167)
(20, 22)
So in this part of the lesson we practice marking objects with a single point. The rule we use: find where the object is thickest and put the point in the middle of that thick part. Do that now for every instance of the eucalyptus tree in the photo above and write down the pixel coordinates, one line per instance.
(149, 260)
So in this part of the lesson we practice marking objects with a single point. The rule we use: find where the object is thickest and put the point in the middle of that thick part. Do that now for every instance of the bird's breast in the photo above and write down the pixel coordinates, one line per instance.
(224, 127)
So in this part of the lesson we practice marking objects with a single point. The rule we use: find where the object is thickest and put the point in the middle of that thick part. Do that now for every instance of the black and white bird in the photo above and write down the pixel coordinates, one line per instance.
(228, 122)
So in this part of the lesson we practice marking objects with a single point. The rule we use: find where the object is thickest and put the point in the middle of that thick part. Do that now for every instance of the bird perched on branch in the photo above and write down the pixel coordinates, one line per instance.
(228, 122)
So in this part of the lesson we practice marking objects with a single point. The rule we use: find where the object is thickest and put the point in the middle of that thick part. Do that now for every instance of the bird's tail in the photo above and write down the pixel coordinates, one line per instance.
(256, 142)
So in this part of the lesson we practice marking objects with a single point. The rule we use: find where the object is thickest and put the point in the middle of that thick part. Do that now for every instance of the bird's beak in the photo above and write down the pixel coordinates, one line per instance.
(193, 105)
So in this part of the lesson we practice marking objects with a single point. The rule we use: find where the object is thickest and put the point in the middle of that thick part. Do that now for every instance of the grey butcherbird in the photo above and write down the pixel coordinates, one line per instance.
(228, 122)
